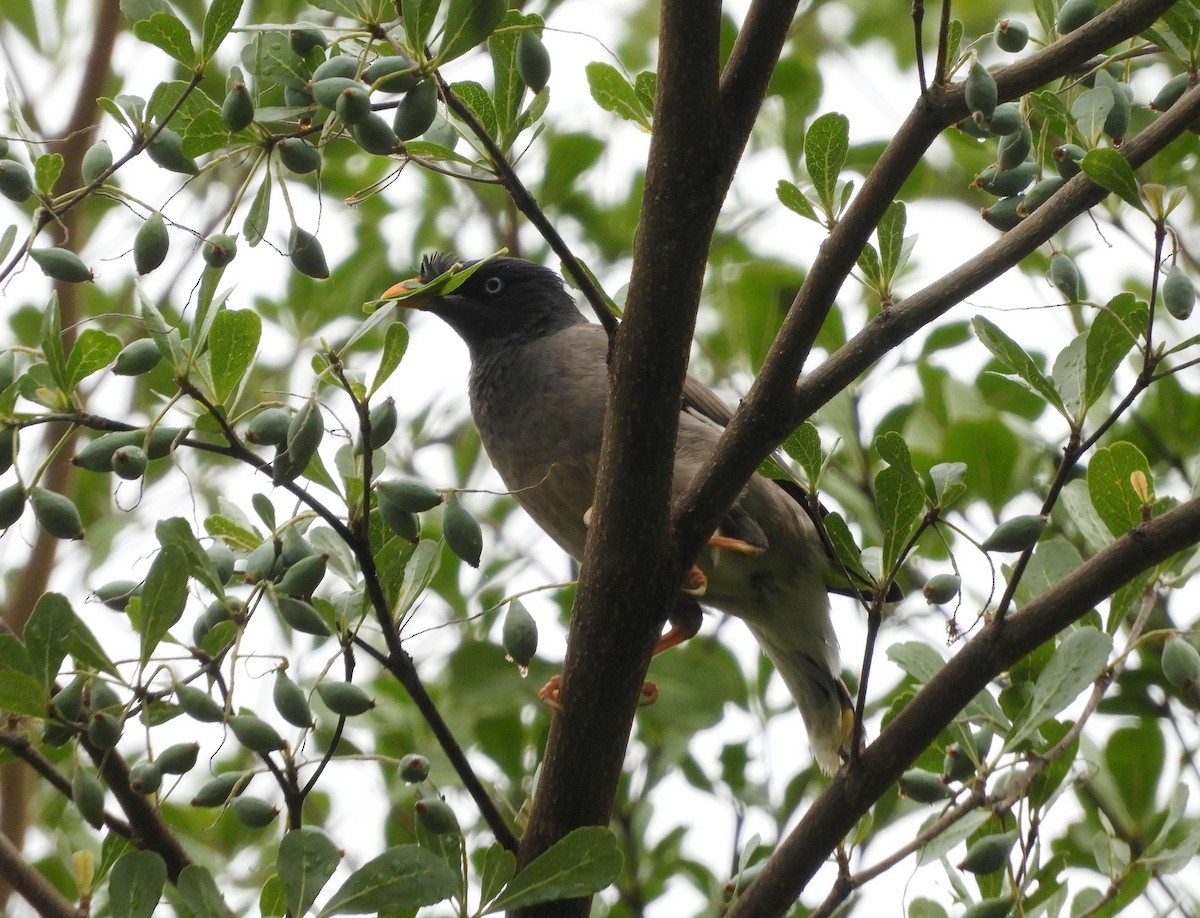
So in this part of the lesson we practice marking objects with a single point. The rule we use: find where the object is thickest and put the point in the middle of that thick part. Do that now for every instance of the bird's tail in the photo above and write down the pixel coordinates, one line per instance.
(819, 693)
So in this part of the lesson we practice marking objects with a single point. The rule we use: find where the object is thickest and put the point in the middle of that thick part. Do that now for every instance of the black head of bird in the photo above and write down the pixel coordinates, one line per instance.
(506, 300)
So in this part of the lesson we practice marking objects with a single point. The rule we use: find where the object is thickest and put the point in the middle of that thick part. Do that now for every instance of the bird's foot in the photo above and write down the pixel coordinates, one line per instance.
(738, 546)
(695, 582)
(548, 693)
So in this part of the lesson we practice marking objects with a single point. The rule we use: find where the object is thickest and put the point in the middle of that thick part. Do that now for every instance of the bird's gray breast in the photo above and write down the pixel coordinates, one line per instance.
(539, 408)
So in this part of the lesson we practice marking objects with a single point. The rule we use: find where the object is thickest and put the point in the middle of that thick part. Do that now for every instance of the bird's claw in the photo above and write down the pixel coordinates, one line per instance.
(548, 693)
(695, 582)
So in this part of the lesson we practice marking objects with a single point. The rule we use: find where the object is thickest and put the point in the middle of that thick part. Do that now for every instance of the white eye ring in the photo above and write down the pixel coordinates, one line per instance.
(493, 285)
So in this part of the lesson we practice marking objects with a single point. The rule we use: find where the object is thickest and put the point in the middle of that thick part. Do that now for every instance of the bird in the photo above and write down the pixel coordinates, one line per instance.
(537, 387)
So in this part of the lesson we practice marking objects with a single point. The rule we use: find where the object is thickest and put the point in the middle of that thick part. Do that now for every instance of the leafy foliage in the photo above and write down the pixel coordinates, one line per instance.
(291, 508)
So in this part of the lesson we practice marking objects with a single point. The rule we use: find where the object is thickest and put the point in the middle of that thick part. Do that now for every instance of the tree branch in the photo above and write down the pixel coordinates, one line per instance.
(1002, 643)
(629, 576)
(32, 886)
(772, 409)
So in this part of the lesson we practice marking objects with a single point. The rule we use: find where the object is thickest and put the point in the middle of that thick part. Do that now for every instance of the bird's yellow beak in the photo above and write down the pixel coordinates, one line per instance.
(403, 293)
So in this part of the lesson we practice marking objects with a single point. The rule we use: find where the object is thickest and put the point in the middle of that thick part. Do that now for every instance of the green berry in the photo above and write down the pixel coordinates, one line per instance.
(88, 794)
(353, 105)
(1017, 534)
(61, 265)
(923, 786)
(178, 759)
(384, 419)
(1011, 35)
(414, 768)
(1041, 192)
(96, 161)
(416, 110)
(222, 559)
(166, 149)
(12, 505)
(306, 254)
(216, 791)
(1075, 13)
(519, 634)
(302, 616)
(1066, 159)
(290, 701)
(980, 91)
(219, 250)
(145, 777)
(269, 427)
(137, 357)
(1178, 294)
(237, 111)
(56, 514)
(129, 462)
(198, 704)
(407, 495)
(104, 730)
(1004, 183)
(303, 577)
(995, 907)
(941, 588)
(305, 38)
(344, 698)
(1170, 92)
(344, 66)
(117, 593)
(253, 812)
(1180, 663)
(1005, 213)
(1006, 119)
(396, 73)
(15, 183)
(327, 91)
(533, 60)
(298, 155)
(436, 817)
(462, 533)
(374, 135)
(1065, 276)
(255, 733)
(989, 854)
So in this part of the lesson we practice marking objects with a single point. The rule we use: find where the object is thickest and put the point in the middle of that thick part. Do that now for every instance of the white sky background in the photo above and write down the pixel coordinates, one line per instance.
(436, 365)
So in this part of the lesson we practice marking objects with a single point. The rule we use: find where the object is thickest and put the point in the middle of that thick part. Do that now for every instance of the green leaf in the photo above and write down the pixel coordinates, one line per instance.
(395, 343)
(1090, 110)
(645, 87)
(581, 863)
(163, 597)
(509, 88)
(219, 19)
(403, 877)
(868, 263)
(136, 883)
(948, 482)
(1013, 356)
(1113, 334)
(1134, 757)
(901, 504)
(890, 234)
(499, 866)
(178, 532)
(199, 896)
(307, 859)
(418, 572)
(168, 33)
(845, 548)
(1110, 170)
(51, 619)
(233, 343)
(271, 59)
(1108, 481)
(476, 98)
(795, 200)
(613, 93)
(86, 650)
(1057, 769)
(52, 344)
(46, 170)
(1069, 374)
(418, 18)
(825, 147)
(204, 133)
(804, 446)
(468, 22)
(259, 215)
(93, 350)
(20, 691)
(7, 238)
(1077, 663)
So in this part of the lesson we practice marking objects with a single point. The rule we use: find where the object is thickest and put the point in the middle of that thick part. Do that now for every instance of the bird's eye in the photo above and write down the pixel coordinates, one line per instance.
(493, 285)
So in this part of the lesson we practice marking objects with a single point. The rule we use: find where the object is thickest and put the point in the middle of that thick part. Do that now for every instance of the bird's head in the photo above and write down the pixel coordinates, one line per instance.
(505, 301)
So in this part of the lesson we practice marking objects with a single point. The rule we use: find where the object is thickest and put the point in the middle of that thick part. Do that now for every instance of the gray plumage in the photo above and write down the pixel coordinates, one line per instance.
(537, 389)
